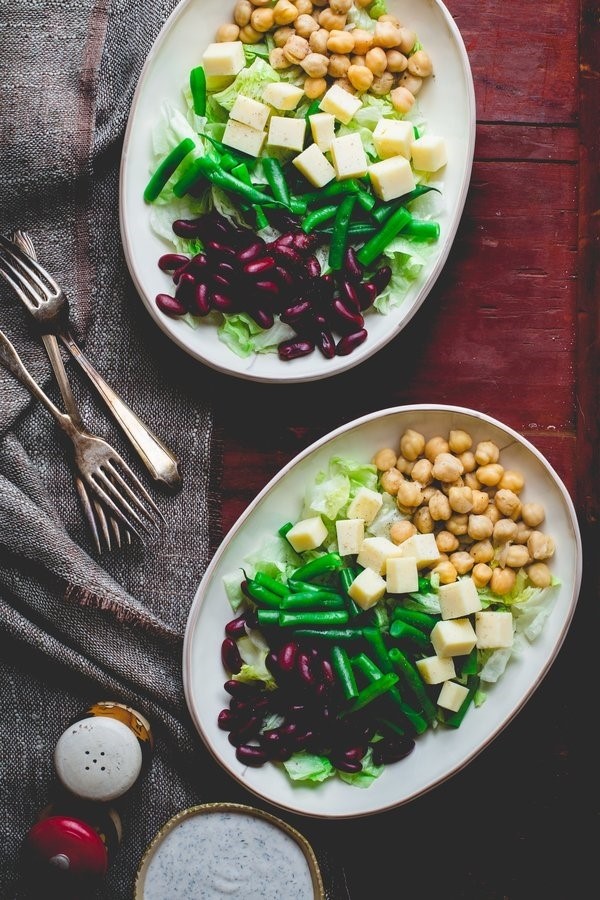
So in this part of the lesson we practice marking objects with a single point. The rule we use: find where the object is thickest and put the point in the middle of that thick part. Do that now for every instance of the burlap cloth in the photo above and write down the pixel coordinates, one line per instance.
(75, 628)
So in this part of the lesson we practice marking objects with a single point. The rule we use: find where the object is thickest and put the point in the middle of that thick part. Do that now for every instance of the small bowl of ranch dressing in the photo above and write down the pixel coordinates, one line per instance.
(228, 851)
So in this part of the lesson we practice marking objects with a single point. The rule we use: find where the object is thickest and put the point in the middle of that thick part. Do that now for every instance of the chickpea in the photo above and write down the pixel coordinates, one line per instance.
(338, 65)
(462, 561)
(435, 446)
(362, 3)
(363, 41)
(241, 12)
(382, 84)
(446, 542)
(277, 59)
(384, 459)
(480, 527)
(461, 499)
(407, 40)
(459, 441)
(503, 580)
(356, 60)
(386, 17)
(376, 60)
(410, 82)
(391, 480)
(284, 12)
(481, 502)
(447, 467)
(262, 20)
(439, 507)
(492, 513)
(314, 87)
(320, 2)
(482, 551)
(512, 481)
(471, 481)
(481, 575)
(402, 99)
(533, 514)
(412, 443)
(508, 503)
(396, 61)
(401, 531)
(249, 35)
(296, 49)
(467, 459)
(428, 493)
(345, 85)
(409, 494)
(490, 475)
(539, 575)
(446, 571)
(504, 530)
(517, 555)
(315, 65)
(523, 533)
(228, 32)
(331, 21)
(423, 521)
(340, 7)
(282, 35)
(318, 41)
(386, 35)
(540, 546)
(458, 523)
(260, 2)
(487, 452)
(305, 25)
(304, 7)
(420, 64)
(421, 471)
(361, 77)
(340, 42)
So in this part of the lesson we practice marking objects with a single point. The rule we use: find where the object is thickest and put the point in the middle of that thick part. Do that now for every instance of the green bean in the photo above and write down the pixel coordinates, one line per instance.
(261, 594)
(366, 200)
(283, 530)
(312, 110)
(403, 631)
(229, 162)
(192, 176)
(371, 692)
(329, 562)
(422, 230)
(267, 617)
(314, 617)
(384, 211)
(333, 189)
(305, 587)
(411, 716)
(347, 576)
(277, 587)
(317, 216)
(319, 600)
(454, 719)
(274, 175)
(166, 169)
(198, 89)
(330, 634)
(343, 669)
(229, 182)
(411, 676)
(421, 620)
(339, 240)
(377, 244)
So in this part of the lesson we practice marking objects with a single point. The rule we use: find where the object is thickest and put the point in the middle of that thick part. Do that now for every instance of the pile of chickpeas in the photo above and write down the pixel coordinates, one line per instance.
(315, 38)
(460, 492)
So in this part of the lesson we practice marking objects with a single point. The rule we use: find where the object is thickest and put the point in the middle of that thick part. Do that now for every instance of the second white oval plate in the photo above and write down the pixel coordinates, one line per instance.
(447, 103)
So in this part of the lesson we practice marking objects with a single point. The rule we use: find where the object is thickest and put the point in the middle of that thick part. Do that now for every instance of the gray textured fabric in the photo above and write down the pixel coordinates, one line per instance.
(71, 630)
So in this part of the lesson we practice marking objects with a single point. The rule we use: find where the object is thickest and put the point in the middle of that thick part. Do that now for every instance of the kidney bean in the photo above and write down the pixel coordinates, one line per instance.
(221, 283)
(220, 251)
(252, 251)
(304, 243)
(202, 300)
(354, 754)
(188, 228)
(351, 266)
(297, 314)
(284, 240)
(285, 277)
(293, 349)
(349, 320)
(346, 765)
(241, 733)
(240, 705)
(288, 729)
(226, 720)
(259, 266)
(366, 295)
(222, 302)
(350, 342)
(236, 627)
(168, 262)
(286, 658)
(230, 656)
(270, 288)
(262, 317)
(185, 289)
(303, 664)
(243, 688)
(381, 278)
(326, 343)
(287, 256)
(350, 295)
(327, 670)
(170, 306)
(198, 264)
(313, 267)
(251, 755)
(385, 752)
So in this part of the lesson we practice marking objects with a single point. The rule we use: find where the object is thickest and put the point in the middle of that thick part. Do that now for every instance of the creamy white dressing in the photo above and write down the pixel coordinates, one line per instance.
(226, 854)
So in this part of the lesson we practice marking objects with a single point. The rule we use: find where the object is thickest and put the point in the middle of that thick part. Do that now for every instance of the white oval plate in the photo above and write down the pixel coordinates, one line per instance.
(437, 755)
(447, 103)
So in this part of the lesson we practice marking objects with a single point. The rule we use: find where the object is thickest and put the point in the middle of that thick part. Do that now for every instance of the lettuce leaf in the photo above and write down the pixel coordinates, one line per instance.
(305, 766)
(367, 776)
(250, 81)
(244, 337)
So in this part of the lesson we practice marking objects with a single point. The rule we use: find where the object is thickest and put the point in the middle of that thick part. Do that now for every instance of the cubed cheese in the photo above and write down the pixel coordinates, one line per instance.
(429, 153)
(435, 669)
(401, 575)
(286, 133)
(348, 156)
(454, 637)
(340, 103)
(365, 505)
(393, 137)
(392, 177)
(374, 553)
(224, 58)
(350, 535)
(460, 598)
(452, 695)
(308, 534)
(250, 112)
(315, 166)
(422, 548)
(493, 629)
(242, 137)
(367, 588)
(322, 126)
(282, 95)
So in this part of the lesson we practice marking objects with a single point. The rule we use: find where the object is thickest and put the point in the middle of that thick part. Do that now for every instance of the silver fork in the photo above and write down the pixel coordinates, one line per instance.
(106, 475)
(105, 528)
(47, 304)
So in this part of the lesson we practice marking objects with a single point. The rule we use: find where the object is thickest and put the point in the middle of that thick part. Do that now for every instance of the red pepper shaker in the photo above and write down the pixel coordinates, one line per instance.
(67, 854)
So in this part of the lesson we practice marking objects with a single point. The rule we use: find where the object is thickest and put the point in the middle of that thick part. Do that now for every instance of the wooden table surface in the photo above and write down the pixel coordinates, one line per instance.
(511, 328)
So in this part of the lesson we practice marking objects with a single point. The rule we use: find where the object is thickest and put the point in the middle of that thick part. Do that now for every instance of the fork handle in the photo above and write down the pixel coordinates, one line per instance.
(53, 351)
(161, 463)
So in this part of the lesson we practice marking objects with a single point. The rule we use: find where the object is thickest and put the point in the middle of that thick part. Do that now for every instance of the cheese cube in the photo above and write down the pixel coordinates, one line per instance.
(242, 137)
(350, 535)
(392, 177)
(250, 112)
(429, 153)
(435, 669)
(452, 695)
(365, 505)
(393, 137)
(282, 95)
(367, 588)
(314, 166)
(307, 534)
(348, 157)
(493, 629)
(340, 103)
(455, 637)
(402, 576)
(286, 133)
(422, 548)
(224, 58)
(458, 599)
(322, 126)
(374, 553)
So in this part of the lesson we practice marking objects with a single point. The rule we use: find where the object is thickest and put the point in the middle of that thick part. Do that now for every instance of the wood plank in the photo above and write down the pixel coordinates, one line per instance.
(519, 142)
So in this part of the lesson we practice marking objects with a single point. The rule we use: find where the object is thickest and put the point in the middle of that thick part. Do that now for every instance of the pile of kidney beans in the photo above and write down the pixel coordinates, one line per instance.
(307, 700)
(238, 271)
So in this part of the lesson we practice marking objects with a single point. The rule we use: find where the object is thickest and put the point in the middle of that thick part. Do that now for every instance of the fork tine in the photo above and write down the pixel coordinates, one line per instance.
(25, 298)
(138, 484)
(112, 506)
(129, 511)
(101, 516)
(17, 267)
(131, 494)
(89, 515)
(29, 264)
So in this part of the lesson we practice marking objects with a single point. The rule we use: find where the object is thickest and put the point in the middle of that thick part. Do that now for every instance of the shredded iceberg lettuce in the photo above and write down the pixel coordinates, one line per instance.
(305, 766)
(250, 82)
